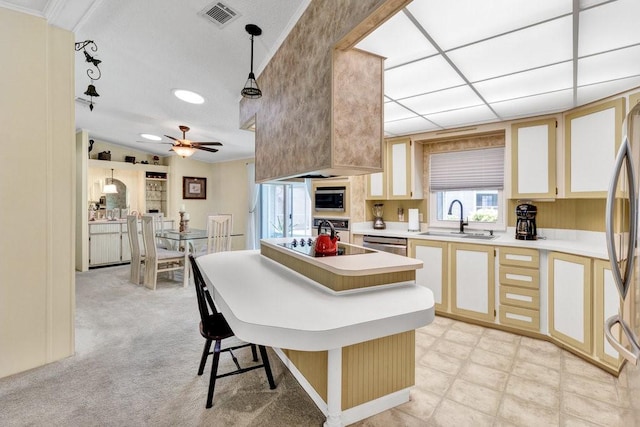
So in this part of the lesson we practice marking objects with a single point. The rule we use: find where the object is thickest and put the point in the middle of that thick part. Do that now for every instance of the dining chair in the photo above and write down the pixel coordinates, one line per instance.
(158, 260)
(219, 228)
(158, 219)
(214, 328)
(137, 256)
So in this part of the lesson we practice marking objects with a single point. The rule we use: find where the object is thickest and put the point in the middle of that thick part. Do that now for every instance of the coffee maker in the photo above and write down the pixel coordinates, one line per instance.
(526, 222)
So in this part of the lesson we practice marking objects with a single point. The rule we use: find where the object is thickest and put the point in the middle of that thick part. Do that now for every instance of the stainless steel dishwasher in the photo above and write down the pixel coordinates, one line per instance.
(395, 245)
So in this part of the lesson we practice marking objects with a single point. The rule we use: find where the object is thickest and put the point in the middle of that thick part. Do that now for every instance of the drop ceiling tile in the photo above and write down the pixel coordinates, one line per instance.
(587, 94)
(609, 26)
(398, 40)
(463, 117)
(408, 126)
(395, 111)
(541, 80)
(444, 100)
(535, 105)
(456, 23)
(420, 77)
(609, 66)
(529, 48)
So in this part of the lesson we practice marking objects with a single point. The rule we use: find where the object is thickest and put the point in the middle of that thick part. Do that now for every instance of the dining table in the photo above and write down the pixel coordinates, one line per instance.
(186, 240)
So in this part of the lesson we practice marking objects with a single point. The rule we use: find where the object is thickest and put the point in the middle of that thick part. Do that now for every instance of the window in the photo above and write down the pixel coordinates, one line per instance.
(474, 178)
(285, 210)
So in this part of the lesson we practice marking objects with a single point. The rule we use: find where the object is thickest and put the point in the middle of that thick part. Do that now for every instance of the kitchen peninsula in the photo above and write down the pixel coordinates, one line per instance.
(353, 351)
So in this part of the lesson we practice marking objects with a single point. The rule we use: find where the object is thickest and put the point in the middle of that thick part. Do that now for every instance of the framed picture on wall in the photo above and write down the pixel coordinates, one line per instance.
(194, 188)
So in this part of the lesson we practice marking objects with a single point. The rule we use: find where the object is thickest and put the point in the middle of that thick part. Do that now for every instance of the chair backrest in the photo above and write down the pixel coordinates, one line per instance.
(219, 232)
(205, 302)
(149, 236)
(132, 231)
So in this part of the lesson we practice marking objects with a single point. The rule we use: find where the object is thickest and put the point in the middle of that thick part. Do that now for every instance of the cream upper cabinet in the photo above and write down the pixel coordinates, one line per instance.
(533, 159)
(402, 177)
(592, 137)
(376, 186)
(404, 173)
(473, 281)
(570, 300)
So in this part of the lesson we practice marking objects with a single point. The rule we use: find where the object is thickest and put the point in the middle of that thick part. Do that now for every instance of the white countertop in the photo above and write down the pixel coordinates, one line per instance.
(585, 243)
(352, 265)
(269, 304)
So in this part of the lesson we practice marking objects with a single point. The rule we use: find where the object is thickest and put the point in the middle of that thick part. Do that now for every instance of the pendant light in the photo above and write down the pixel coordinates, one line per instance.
(111, 187)
(251, 89)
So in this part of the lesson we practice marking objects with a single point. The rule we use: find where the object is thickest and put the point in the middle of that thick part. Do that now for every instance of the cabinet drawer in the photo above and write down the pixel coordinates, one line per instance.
(519, 257)
(523, 277)
(520, 297)
(104, 228)
(520, 317)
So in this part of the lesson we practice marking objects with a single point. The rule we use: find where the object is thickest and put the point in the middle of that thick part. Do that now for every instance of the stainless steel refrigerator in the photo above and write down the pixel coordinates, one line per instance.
(622, 330)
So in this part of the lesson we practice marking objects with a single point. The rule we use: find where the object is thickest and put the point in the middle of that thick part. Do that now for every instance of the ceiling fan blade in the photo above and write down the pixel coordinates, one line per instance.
(170, 137)
(211, 150)
(207, 143)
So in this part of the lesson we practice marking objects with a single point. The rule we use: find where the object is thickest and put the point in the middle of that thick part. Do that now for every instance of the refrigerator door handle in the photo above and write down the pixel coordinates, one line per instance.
(622, 283)
(630, 355)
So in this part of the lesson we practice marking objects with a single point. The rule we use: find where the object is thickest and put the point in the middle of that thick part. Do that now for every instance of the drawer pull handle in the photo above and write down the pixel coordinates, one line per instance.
(518, 317)
(518, 297)
(519, 277)
(514, 257)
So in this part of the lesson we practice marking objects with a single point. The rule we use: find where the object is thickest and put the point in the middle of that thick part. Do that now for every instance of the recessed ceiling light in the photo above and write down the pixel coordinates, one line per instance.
(188, 96)
(150, 137)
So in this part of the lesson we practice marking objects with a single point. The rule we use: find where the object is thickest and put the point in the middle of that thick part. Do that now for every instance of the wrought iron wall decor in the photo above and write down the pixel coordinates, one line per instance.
(94, 74)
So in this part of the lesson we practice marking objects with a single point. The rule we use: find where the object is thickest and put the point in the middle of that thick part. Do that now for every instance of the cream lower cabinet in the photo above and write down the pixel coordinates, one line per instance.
(606, 303)
(570, 319)
(105, 246)
(472, 269)
(519, 288)
(433, 274)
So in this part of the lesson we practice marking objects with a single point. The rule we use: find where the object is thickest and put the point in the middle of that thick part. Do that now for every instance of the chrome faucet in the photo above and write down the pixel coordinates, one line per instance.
(462, 222)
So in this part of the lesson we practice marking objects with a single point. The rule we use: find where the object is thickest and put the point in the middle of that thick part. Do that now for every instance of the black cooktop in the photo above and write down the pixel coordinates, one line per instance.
(307, 248)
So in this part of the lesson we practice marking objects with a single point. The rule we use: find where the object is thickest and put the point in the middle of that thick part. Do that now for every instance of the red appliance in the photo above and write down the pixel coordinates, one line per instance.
(326, 244)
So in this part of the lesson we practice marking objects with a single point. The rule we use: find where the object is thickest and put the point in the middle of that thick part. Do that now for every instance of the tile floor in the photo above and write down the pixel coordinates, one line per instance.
(467, 375)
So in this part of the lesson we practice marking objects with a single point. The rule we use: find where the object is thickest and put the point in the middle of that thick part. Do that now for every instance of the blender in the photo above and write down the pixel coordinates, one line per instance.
(378, 223)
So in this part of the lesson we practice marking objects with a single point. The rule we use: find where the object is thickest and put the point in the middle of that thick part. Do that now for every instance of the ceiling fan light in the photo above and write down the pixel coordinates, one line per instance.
(251, 89)
(183, 151)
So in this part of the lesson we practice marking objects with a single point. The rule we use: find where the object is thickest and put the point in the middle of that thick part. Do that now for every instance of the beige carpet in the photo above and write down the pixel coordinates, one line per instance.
(136, 362)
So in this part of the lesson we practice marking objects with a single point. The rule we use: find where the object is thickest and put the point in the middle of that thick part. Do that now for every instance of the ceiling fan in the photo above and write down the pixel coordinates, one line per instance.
(184, 147)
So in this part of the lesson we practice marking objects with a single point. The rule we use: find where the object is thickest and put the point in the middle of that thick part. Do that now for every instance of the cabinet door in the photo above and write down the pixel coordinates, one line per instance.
(104, 248)
(570, 300)
(606, 303)
(533, 159)
(473, 281)
(399, 155)
(592, 139)
(433, 274)
(376, 186)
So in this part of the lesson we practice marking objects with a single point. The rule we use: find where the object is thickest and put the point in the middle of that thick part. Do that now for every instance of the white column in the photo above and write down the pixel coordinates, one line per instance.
(334, 388)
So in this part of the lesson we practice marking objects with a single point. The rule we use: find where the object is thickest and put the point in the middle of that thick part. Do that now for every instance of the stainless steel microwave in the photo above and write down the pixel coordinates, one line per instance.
(330, 199)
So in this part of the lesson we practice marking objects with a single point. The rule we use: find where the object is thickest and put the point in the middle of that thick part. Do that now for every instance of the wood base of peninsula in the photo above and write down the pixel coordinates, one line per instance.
(374, 375)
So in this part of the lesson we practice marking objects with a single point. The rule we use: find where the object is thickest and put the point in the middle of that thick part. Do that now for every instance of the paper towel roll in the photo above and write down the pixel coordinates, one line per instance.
(414, 222)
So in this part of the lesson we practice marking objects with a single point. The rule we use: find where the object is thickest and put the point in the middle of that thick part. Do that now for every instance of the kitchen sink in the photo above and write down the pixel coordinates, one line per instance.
(473, 236)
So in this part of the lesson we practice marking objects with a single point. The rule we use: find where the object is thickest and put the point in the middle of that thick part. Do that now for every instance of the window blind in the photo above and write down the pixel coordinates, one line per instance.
(472, 169)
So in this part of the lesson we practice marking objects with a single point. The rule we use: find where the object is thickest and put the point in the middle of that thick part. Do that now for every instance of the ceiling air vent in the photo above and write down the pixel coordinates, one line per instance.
(220, 14)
